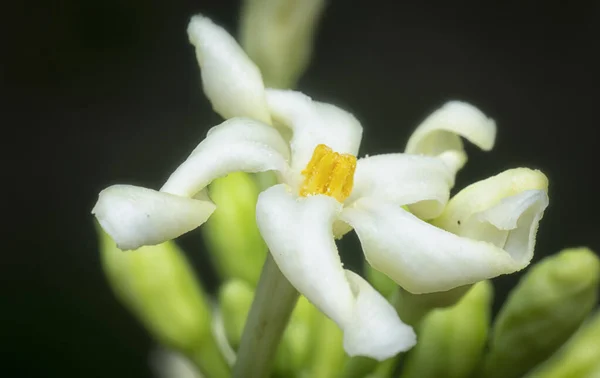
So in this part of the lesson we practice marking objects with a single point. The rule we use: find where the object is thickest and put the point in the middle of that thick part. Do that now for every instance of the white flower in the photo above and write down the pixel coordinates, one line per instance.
(325, 191)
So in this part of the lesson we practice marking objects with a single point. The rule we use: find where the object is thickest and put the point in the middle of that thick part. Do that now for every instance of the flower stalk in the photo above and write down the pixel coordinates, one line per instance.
(271, 309)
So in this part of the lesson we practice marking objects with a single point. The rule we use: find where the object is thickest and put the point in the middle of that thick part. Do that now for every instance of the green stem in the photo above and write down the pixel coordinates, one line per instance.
(273, 304)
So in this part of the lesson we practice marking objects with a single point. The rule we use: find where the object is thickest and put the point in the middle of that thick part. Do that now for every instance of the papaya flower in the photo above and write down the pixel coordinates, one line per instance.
(324, 191)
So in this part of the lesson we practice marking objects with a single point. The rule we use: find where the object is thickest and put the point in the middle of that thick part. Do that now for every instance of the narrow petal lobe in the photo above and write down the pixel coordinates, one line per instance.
(439, 135)
(375, 330)
(238, 144)
(231, 81)
(298, 231)
(419, 256)
(422, 182)
(134, 216)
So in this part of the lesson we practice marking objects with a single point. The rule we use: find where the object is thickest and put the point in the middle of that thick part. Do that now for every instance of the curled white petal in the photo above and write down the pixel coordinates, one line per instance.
(504, 209)
(298, 232)
(422, 182)
(134, 216)
(420, 257)
(231, 81)
(485, 194)
(512, 224)
(241, 129)
(375, 330)
(439, 135)
(313, 123)
(238, 144)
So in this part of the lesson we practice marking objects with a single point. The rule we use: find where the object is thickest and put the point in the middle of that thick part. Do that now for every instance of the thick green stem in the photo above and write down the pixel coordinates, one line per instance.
(273, 304)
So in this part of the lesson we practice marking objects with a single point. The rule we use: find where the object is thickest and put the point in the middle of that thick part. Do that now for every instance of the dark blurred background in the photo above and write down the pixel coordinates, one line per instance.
(104, 92)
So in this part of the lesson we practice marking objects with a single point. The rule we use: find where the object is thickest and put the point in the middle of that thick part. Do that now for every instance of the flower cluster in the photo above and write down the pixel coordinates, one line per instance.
(399, 204)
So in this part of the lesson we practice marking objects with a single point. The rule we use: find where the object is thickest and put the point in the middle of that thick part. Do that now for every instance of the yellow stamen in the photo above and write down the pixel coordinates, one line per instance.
(329, 173)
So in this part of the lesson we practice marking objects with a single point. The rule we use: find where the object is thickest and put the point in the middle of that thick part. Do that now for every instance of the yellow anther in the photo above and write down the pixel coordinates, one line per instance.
(329, 173)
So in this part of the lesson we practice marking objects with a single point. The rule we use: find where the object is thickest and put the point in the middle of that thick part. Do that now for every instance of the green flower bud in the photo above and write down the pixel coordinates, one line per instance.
(411, 308)
(159, 287)
(542, 312)
(235, 299)
(578, 358)
(231, 233)
(327, 355)
(450, 341)
(297, 340)
(278, 36)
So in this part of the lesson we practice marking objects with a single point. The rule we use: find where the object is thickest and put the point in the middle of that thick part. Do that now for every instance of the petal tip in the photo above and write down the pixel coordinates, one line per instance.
(375, 329)
(136, 216)
(197, 25)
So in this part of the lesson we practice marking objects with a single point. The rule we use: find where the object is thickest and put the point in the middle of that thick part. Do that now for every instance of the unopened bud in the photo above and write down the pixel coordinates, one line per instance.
(231, 234)
(158, 286)
(579, 357)
(451, 340)
(542, 312)
(278, 36)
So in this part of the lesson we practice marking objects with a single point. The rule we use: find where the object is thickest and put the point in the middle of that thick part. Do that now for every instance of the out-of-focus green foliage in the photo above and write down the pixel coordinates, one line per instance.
(542, 312)
(158, 286)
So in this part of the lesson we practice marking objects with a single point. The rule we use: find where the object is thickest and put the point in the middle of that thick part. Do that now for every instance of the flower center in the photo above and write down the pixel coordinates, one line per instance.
(329, 173)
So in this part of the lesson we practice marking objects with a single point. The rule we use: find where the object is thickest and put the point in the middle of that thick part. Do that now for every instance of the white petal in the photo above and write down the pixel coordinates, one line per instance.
(239, 144)
(485, 194)
(241, 129)
(420, 181)
(504, 209)
(231, 81)
(375, 330)
(512, 224)
(313, 123)
(439, 135)
(298, 232)
(420, 257)
(134, 216)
